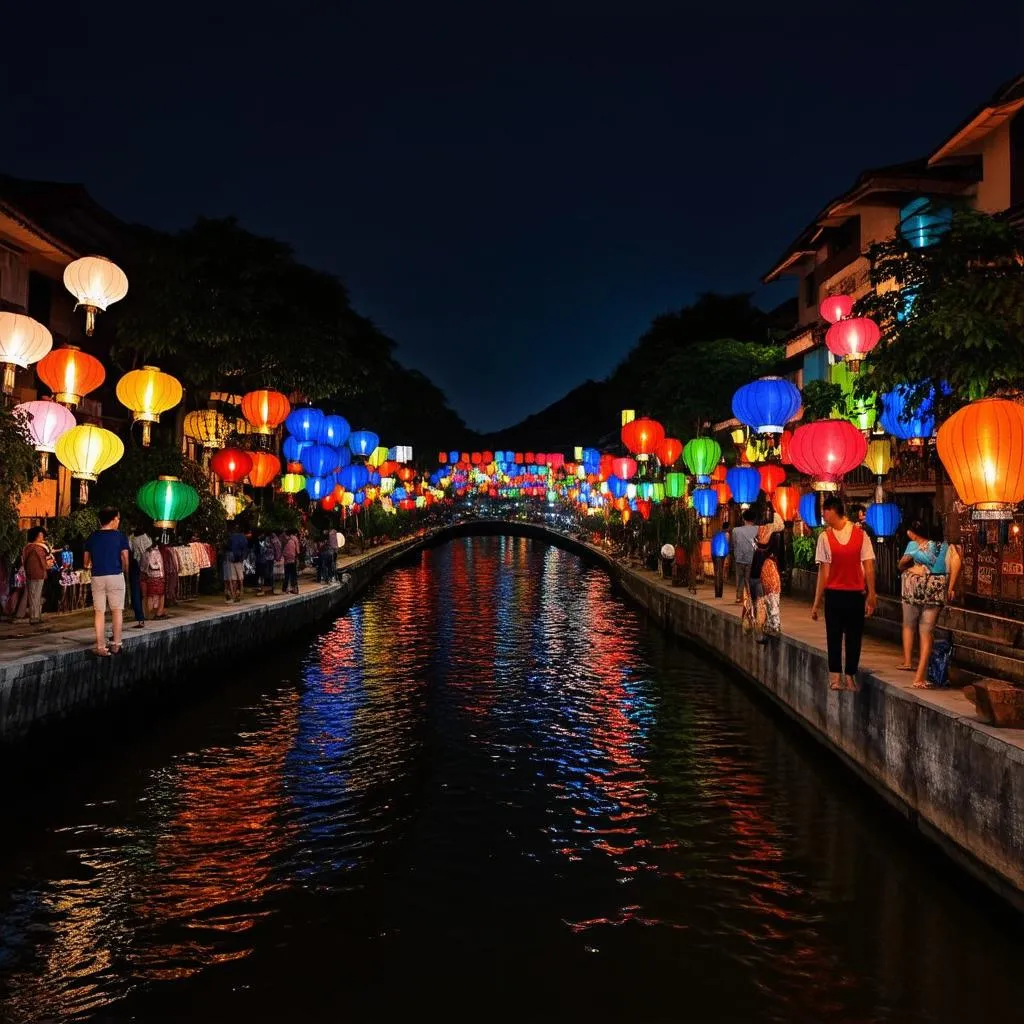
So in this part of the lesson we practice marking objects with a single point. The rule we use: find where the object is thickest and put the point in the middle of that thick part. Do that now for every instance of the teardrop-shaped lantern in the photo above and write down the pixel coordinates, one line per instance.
(744, 483)
(147, 393)
(23, 341)
(95, 282)
(701, 455)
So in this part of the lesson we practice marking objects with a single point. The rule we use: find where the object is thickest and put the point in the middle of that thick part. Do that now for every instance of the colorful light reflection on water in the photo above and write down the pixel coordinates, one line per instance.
(489, 790)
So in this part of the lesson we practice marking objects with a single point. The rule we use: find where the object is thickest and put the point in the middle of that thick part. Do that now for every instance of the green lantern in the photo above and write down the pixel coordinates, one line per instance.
(701, 455)
(861, 412)
(675, 485)
(167, 501)
(658, 492)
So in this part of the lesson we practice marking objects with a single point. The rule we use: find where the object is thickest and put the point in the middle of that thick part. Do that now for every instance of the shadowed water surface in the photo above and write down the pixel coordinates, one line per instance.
(488, 790)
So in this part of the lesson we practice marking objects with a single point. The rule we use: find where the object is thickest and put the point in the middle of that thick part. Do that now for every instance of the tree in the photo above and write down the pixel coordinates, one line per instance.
(951, 314)
(821, 399)
(17, 472)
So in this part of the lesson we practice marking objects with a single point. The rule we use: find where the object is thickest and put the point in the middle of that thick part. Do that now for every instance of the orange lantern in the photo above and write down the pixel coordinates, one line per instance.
(265, 410)
(643, 436)
(294, 467)
(786, 501)
(718, 475)
(771, 476)
(669, 450)
(724, 492)
(982, 449)
(70, 374)
(265, 468)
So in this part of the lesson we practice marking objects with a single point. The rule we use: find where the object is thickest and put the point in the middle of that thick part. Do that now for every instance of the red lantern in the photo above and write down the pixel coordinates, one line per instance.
(624, 468)
(476, 458)
(771, 477)
(853, 339)
(643, 436)
(328, 501)
(724, 492)
(643, 506)
(295, 467)
(718, 476)
(784, 442)
(232, 465)
(264, 468)
(406, 473)
(606, 469)
(835, 308)
(669, 450)
(827, 449)
(786, 501)
(442, 458)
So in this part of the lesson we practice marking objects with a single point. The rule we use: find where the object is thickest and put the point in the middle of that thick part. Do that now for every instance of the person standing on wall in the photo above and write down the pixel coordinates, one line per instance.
(140, 543)
(238, 550)
(290, 553)
(106, 554)
(36, 561)
(846, 580)
(743, 539)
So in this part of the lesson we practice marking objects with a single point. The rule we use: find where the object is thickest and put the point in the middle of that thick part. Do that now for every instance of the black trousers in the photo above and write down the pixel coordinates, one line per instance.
(844, 616)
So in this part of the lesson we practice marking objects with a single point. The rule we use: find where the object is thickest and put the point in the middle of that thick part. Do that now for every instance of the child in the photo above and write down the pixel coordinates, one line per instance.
(152, 573)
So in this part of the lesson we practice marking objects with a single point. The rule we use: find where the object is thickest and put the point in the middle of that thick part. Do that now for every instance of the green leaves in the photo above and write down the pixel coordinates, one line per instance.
(17, 471)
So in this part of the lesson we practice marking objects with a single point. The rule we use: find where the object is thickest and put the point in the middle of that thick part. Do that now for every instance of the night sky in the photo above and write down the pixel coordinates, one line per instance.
(510, 190)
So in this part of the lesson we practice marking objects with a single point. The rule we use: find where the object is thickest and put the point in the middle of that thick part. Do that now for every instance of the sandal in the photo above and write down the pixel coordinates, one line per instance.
(100, 652)
(905, 668)
(922, 684)
(115, 648)
(851, 684)
(835, 681)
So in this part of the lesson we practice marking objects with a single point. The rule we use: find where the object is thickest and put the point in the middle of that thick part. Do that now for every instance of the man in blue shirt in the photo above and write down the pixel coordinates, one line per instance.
(743, 538)
(106, 554)
(238, 550)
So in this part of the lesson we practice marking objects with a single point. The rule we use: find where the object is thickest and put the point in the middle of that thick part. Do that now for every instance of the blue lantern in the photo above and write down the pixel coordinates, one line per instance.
(353, 478)
(317, 487)
(766, 405)
(720, 544)
(293, 449)
(320, 460)
(398, 494)
(884, 518)
(705, 502)
(363, 442)
(373, 478)
(453, 457)
(809, 509)
(591, 460)
(305, 424)
(617, 487)
(745, 484)
(334, 431)
(360, 497)
(905, 420)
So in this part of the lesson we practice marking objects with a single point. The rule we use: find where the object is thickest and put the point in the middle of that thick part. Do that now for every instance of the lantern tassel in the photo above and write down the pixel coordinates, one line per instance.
(147, 433)
(83, 492)
(90, 320)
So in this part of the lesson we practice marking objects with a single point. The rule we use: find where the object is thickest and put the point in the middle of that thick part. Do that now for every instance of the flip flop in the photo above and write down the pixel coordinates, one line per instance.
(905, 668)
(100, 652)
(115, 648)
(922, 684)
(836, 684)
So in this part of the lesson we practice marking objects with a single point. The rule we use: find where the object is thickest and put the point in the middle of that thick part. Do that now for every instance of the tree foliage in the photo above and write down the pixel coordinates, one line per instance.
(951, 312)
(821, 399)
(17, 471)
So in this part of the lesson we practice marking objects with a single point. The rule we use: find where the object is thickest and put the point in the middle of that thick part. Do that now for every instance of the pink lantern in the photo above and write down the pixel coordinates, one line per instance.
(853, 339)
(836, 308)
(624, 468)
(46, 421)
(826, 449)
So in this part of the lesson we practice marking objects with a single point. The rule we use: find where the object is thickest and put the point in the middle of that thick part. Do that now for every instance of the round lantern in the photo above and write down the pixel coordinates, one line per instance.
(70, 374)
(305, 424)
(982, 449)
(46, 422)
(809, 510)
(884, 518)
(827, 449)
(879, 456)
(320, 460)
(675, 485)
(265, 468)
(786, 501)
(643, 436)
(853, 339)
(87, 451)
(232, 465)
(207, 427)
(724, 492)
(720, 544)
(617, 487)
(624, 468)
(771, 475)
(148, 393)
(705, 502)
(352, 478)
(909, 421)
(362, 442)
(23, 341)
(766, 405)
(265, 410)
(292, 483)
(95, 282)
(701, 455)
(835, 308)
(668, 451)
(318, 486)
(167, 501)
(234, 503)
(745, 483)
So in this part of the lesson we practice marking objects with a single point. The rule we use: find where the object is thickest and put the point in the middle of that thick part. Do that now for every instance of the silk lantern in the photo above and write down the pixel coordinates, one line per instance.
(46, 423)
(786, 500)
(884, 518)
(852, 339)
(705, 502)
(701, 455)
(835, 308)
(744, 483)
(232, 465)
(87, 451)
(23, 341)
(827, 449)
(809, 510)
(95, 282)
(207, 427)
(265, 468)
(265, 410)
(642, 436)
(167, 501)
(70, 374)
(147, 393)
(766, 405)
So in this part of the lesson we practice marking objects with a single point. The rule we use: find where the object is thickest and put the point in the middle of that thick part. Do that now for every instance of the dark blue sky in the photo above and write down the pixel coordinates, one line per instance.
(511, 190)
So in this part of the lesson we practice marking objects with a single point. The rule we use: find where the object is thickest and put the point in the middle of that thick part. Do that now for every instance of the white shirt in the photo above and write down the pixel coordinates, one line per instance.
(824, 552)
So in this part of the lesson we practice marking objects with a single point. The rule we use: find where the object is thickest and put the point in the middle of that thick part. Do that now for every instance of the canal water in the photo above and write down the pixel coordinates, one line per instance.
(490, 790)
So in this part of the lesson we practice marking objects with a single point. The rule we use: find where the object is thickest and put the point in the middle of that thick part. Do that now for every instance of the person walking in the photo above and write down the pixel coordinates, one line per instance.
(264, 564)
(924, 586)
(106, 553)
(140, 543)
(290, 554)
(153, 582)
(36, 561)
(238, 550)
(766, 581)
(743, 538)
(846, 581)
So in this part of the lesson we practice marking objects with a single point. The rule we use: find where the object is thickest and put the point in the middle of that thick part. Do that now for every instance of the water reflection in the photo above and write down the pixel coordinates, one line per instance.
(488, 776)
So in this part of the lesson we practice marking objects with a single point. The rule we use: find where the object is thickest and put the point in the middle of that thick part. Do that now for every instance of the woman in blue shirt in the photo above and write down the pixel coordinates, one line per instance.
(924, 593)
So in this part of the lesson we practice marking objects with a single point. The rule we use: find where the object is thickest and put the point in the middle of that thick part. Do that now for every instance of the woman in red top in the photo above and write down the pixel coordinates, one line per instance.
(846, 569)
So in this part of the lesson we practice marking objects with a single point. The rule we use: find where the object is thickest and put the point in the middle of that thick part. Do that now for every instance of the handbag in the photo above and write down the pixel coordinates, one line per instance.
(924, 590)
(938, 663)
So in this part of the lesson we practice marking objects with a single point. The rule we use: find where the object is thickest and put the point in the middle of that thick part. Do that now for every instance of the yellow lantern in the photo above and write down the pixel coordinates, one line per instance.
(292, 483)
(95, 282)
(87, 451)
(148, 393)
(348, 499)
(378, 457)
(23, 341)
(879, 456)
(628, 415)
(739, 436)
(207, 427)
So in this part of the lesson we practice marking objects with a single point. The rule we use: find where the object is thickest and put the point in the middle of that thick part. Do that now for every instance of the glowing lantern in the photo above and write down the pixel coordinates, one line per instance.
(675, 485)
(643, 506)
(265, 410)
(232, 465)
(784, 442)
(442, 458)
(827, 449)
(766, 405)
(334, 430)
(148, 393)
(718, 475)
(907, 420)
(362, 442)
(320, 460)
(264, 468)
(701, 455)
(328, 501)
(853, 339)
(628, 415)
(317, 487)
(234, 503)
(879, 456)
(617, 487)
(643, 436)
(669, 450)
(624, 468)
(46, 423)
(95, 282)
(87, 451)
(884, 518)
(771, 476)
(292, 483)
(353, 478)
(982, 448)
(720, 544)
(70, 374)
(786, 501)
(705, 502)
(305, 425)
(745, 483)
(23, 341)
(836, 308)
(723, 491)
(378, 456)
(861, 412)
(207, 427)
(809, 510)
(167, 501)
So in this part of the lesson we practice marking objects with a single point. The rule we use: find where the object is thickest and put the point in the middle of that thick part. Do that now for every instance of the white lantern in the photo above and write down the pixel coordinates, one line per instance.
(95, 282)
(23, 341)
